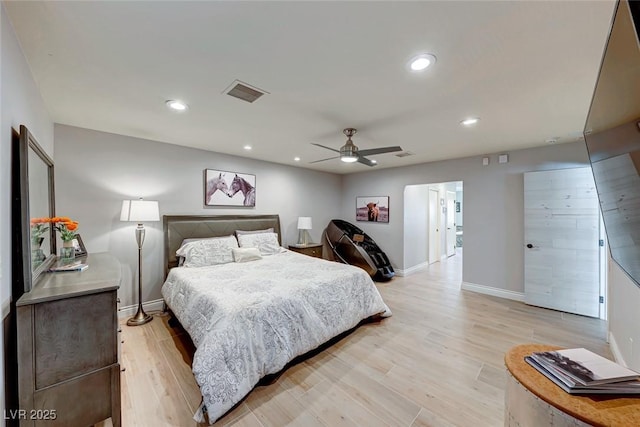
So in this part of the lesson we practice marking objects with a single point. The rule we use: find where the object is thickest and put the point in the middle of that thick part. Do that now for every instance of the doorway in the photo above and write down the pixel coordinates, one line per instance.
(432, 224)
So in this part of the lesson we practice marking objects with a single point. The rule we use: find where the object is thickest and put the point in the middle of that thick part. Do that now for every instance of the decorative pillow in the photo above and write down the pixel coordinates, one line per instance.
(267, 243)
(246, 254)
(201, 253)
(266, 230)
(185, 242)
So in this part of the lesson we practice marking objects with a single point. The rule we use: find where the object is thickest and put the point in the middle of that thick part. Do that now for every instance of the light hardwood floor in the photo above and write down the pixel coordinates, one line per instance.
(437, 362)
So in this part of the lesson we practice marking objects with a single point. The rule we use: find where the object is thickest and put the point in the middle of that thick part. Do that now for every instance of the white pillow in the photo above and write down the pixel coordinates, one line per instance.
(184, 243)
(246, 254)
(267, 243)
(266, 230)
(202, 253)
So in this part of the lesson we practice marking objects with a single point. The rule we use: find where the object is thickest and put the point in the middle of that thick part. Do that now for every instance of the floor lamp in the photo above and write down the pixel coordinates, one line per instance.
(139, 211)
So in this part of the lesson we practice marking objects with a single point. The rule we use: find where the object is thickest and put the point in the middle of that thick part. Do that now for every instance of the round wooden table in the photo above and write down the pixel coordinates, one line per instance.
(533, 400)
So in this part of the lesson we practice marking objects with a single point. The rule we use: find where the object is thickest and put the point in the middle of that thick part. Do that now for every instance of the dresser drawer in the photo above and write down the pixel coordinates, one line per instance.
(74, 336)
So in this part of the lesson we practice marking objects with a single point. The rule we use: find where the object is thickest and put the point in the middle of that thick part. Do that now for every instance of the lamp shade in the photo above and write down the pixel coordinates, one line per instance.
(139, 211)
(304, 223)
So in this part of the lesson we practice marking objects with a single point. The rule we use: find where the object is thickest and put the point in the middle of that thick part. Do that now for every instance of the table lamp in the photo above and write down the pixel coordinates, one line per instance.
(139, 211)
(304, 224)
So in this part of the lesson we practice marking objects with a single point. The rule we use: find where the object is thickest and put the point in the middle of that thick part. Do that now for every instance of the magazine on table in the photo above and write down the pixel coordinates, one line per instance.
(568, 385)
(584, 367)
(74, 266)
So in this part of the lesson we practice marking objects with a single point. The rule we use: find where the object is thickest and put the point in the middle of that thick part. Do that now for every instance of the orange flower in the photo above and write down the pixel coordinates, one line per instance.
(39, 220)
(56, 219)
(71, 226)
(65, 219)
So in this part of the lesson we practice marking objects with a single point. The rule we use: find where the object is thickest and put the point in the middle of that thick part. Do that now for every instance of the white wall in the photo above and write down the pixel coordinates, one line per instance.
(493, 209)
(416, 221)
(624, 316)
(20, 103)
(95, 171)
(459, 198)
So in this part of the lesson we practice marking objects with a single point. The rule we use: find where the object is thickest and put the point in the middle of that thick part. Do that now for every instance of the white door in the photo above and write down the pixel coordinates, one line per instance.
(561, 236)
(434, 226)
(451, 223)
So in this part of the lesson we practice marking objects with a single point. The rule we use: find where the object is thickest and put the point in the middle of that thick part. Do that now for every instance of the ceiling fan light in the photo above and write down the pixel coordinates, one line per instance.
(349, 153)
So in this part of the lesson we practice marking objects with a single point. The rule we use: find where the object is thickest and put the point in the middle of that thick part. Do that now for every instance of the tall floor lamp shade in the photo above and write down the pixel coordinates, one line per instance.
(139, 211)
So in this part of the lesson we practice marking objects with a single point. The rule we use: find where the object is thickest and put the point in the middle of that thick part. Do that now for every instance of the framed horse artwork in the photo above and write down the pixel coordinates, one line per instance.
(372, 208)
(223, 188)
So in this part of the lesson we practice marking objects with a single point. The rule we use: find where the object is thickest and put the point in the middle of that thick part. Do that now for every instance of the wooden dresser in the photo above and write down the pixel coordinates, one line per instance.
(68, 368)
(312, 249)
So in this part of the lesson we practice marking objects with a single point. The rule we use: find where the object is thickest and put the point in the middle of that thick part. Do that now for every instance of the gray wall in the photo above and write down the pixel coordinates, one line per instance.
(95, 171)
(20, 103)
(493, 207)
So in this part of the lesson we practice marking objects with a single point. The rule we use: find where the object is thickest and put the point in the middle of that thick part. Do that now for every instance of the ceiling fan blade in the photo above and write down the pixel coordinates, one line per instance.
(328, 148)
(330, 158)
(380, 150)
(365, 161)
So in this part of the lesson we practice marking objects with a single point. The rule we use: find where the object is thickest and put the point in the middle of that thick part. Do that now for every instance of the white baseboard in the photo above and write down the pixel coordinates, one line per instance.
(4, 309)
(615, 350)
(411, 270)
(130, 310)
(496, 292)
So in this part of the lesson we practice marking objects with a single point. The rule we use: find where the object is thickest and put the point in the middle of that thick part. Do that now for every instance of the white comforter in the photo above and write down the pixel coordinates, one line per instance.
(249, 320)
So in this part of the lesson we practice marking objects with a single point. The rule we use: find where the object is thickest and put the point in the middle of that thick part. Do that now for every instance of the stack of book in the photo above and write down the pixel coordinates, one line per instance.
(579, 371)
(74, 266)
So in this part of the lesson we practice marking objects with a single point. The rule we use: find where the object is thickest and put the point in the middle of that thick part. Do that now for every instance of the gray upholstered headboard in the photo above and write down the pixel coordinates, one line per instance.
(180, 227)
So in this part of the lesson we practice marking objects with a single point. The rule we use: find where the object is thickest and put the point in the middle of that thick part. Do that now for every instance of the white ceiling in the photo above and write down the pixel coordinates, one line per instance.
(528, 69)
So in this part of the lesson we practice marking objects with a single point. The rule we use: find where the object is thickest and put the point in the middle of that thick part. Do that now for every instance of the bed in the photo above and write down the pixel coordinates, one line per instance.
(249, 320)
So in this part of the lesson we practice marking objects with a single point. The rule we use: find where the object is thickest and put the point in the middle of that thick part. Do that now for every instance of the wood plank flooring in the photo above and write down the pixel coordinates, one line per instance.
(437, 362)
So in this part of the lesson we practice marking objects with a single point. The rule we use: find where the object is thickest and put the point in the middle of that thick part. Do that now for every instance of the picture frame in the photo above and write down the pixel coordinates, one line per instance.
(372, 209)
(79, 247)
(224, 188)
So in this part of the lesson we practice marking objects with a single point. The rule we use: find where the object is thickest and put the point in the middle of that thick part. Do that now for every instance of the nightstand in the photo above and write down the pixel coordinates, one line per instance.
(312, 249)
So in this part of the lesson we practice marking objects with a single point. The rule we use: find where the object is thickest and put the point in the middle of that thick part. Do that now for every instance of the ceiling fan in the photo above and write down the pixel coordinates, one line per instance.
(349, 152)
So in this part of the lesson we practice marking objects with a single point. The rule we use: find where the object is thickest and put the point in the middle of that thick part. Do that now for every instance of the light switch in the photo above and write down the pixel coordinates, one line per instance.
(503, 158)
(485, 161)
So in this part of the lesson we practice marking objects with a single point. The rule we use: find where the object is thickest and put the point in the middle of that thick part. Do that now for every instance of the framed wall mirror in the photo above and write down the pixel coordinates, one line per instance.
(34, 203)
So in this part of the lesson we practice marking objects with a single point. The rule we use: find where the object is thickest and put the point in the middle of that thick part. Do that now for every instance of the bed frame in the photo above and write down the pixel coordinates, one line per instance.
(180, 227)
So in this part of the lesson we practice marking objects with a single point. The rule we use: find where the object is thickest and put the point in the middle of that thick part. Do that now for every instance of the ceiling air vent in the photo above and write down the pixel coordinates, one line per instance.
(404, 154)
(244, 91)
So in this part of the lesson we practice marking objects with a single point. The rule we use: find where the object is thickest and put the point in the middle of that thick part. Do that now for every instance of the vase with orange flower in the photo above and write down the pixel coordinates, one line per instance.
(68, 232)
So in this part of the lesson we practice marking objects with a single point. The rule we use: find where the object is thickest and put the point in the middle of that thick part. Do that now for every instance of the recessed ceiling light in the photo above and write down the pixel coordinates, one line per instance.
(470, 121)
(247, 147)
(374, 161)
(297, 159)
(176, 105)
(422, 62)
